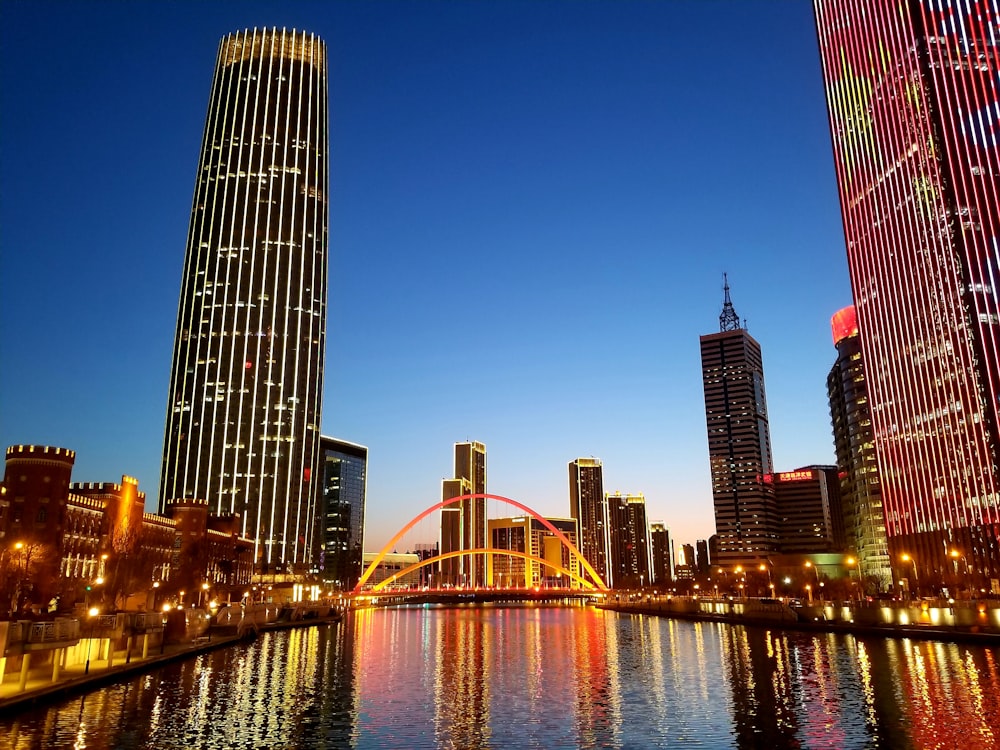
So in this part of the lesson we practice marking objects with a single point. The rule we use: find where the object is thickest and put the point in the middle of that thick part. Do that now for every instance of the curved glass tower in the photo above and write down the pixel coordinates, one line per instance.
(243, 411)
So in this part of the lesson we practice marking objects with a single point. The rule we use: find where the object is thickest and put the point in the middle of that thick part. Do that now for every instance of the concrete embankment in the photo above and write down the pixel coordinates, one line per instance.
(106, 662)
(973, 621)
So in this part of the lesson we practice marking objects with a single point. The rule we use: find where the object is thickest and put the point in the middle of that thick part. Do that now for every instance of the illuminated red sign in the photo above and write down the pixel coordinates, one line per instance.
(844, 324)
(795, 476)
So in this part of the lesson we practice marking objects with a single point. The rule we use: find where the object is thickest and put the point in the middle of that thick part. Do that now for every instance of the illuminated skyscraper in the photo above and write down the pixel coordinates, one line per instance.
(912, 91)
(631, 547)
(739, 441)
(860, 488)
(243, 411)
(589, 507)
(344, 474)
(463, 524)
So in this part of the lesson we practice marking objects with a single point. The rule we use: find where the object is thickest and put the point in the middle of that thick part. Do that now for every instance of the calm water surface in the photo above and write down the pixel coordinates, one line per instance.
(541, 677)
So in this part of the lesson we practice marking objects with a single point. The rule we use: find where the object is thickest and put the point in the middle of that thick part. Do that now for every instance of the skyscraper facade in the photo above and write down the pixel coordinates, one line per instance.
(661, 558)
(912, 93)
(589, 508)
(739, 441)
(344, 477)
(463, 524)
(810, 510)
(853, 439)
(631, 547)
(243, 410)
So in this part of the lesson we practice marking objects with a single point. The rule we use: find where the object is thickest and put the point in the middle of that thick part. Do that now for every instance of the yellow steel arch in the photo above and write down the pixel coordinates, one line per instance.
(481, 551)
(598, 581)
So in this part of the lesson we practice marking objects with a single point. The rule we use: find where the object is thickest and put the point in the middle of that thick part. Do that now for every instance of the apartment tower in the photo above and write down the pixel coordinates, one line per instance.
(589, 508)
(912, 93)
(243, 410)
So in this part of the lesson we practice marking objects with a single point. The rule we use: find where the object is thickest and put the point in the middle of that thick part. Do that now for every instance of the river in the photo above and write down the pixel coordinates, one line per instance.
(541, 677)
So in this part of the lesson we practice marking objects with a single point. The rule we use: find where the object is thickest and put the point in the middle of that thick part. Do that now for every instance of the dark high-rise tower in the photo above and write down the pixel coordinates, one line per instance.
(589, 507)
(860, 488)
(344, 474)
(630, 545)
(739, 441)
(243, 412)
(912, 93)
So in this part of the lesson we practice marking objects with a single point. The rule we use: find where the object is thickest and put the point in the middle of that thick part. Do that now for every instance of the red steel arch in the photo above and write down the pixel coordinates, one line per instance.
(598, 581)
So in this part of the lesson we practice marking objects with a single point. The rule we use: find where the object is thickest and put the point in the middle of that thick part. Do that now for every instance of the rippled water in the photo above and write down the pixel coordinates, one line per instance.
(541, 677)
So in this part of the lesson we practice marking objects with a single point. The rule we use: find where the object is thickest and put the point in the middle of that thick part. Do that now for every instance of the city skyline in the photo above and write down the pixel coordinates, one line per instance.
(558, 164)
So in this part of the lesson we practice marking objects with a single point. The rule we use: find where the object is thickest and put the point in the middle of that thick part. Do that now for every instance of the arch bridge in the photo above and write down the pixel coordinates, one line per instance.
(585, 584)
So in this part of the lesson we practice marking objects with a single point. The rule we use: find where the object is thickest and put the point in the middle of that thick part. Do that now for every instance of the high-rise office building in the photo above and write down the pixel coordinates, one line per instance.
(860, 488)
(463, 524)
(589, 507)
(661, 557)
(810, 510)
(630, 545)
(913, 101)
(243, 411)
(344, 476)
(739, 441)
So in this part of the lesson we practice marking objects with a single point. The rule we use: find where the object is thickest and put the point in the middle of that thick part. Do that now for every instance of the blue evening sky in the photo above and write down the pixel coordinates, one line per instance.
(532, 205)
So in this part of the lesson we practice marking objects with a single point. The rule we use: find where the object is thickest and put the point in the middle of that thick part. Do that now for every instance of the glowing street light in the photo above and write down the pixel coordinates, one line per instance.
(91, 613)
(906, 557)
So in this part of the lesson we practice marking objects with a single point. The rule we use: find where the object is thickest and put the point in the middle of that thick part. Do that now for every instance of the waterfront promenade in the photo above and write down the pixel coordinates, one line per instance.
(79, 673)
(975, 620)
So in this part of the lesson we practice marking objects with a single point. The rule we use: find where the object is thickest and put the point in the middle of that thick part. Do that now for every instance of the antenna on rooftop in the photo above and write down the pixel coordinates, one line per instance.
(728, 320)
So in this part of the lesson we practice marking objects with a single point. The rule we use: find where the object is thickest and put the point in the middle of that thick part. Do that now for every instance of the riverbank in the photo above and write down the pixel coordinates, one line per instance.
(81, 677)
(969, 624)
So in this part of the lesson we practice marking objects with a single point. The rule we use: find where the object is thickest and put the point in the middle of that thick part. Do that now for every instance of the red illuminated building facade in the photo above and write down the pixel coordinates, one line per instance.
(912, 91)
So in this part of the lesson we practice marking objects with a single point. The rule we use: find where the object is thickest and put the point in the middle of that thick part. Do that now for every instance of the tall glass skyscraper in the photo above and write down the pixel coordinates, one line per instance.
(243, 411)
(739, 441)
(342, 510)
(912, 90)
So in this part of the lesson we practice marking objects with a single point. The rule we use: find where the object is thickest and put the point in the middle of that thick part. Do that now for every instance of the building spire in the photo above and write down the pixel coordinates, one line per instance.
(728, 320)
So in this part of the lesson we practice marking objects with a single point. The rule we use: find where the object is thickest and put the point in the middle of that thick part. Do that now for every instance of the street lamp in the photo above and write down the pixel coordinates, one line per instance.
(851, 562)
(905, 557)
(91, 614)
(204, 588)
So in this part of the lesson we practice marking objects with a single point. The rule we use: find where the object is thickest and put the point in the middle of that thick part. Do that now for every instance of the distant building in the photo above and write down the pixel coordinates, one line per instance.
(704, 562)
(463, 524)
(630, 543)
(860, 486)
(912, 98)
(344, 482)
(528, 535)
(686, 563)
(739, 441)
(391, 568)
(589, 507)
(660, 553)
(808, 501)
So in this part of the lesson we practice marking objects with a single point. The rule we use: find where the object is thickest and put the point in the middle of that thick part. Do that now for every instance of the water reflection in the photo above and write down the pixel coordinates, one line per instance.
(546, 677)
